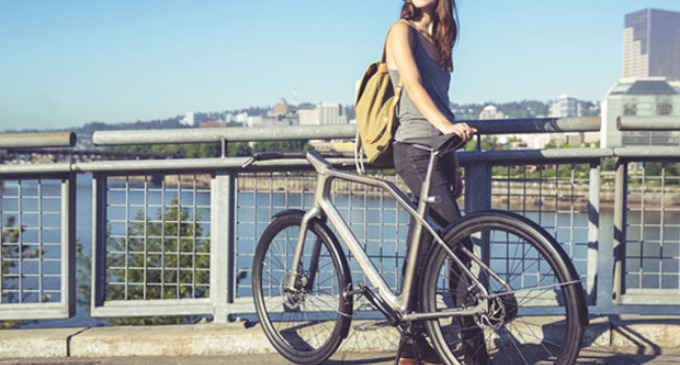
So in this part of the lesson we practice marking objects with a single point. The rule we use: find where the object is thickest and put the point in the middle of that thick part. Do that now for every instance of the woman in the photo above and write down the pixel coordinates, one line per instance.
(419, 52)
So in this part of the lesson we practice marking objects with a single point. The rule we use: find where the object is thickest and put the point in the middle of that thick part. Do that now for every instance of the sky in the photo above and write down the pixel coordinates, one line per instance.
(65, 63)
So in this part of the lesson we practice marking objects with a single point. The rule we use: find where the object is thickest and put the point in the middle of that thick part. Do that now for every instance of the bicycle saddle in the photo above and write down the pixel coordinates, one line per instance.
(440, 143)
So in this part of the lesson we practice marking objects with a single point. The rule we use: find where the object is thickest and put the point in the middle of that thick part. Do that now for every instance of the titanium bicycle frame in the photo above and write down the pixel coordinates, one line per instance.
(323, 206)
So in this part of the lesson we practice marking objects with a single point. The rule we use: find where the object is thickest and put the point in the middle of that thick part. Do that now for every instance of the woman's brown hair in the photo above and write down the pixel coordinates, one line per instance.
(445, 30)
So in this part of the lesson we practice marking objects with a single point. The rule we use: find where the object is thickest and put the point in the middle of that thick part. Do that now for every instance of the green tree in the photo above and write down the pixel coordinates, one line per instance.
(239, 149)
(12, 249)
(488, 143)
(163, 258)
(276, 146)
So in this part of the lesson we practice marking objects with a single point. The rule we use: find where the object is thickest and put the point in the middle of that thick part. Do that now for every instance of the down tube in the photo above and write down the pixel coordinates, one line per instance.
(360, 255)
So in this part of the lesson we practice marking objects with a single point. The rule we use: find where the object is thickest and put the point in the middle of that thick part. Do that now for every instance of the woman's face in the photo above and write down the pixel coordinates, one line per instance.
(423, 3)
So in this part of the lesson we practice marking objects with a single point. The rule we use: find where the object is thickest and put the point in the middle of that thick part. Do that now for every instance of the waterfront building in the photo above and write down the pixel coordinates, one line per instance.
(331, 113)
(644, 97)
(254, 121)
(213, 124)
(241, 118)
(570, 107)
(281, 108)
(491, 112)
(188, 120)
(565, 107)
(308, 115)
(651, 44)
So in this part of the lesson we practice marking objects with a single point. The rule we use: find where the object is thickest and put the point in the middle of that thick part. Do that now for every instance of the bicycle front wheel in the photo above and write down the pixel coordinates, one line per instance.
(306, 323)
(534, 311)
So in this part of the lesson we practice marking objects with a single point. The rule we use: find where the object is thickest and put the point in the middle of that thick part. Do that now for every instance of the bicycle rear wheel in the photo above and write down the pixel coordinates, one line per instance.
(306, 324)
(539, 320)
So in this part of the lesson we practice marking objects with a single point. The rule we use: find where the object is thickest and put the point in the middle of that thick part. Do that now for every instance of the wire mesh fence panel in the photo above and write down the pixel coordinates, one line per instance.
(260, 196)
(31, 241)
(555, 196)
(373, 216)
(379, 223)
(652, 249)
(158, 237)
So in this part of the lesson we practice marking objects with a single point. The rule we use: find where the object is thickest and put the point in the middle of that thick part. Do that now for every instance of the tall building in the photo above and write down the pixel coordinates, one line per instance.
(331, 113)
(651, 44)
(566, 106)
(308, 115)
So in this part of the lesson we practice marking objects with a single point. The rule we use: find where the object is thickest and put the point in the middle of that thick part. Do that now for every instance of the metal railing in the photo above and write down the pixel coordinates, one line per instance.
(177, 237)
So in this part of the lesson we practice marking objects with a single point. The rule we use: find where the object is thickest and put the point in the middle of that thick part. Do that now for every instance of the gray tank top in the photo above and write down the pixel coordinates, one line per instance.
(436, 80)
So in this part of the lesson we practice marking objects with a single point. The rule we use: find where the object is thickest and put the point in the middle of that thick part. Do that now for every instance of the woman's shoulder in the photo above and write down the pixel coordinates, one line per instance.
(401, 25)
(401, 29)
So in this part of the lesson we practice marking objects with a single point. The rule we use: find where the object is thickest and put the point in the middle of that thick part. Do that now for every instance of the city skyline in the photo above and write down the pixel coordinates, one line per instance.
(72, 62)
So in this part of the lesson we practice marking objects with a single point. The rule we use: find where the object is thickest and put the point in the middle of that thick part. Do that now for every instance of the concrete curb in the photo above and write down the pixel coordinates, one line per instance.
(36, 343)
(236, 338)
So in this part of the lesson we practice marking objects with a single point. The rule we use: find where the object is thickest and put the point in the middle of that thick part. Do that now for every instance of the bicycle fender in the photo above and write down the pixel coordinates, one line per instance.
(297, 212)
(288, 211)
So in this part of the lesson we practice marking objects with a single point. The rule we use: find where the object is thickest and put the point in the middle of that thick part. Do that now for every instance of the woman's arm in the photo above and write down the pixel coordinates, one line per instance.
(400, 56)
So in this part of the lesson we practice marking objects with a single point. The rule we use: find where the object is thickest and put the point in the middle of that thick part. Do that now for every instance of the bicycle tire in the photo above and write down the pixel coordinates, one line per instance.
(540, 322)
(306, 326)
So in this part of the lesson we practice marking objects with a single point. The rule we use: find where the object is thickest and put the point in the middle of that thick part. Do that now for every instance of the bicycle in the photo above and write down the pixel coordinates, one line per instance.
(522, 292)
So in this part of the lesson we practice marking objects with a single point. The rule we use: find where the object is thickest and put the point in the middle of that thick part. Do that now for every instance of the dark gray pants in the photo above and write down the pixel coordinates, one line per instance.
(411, 164)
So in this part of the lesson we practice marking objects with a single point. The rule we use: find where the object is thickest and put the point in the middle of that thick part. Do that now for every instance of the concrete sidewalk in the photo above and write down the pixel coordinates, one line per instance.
(640, 338)
(589, 356)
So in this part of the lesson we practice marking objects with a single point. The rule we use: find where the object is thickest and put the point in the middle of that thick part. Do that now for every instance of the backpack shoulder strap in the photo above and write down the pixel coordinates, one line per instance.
(412, 38)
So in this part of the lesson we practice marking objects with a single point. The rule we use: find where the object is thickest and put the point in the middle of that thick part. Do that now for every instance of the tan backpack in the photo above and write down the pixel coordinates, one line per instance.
(374, 110)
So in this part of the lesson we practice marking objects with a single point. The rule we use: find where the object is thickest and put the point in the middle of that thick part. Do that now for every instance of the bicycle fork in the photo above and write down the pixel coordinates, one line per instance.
(299, 251)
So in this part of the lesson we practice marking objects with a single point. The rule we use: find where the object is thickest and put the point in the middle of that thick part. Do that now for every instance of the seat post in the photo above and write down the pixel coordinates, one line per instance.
(425, 199)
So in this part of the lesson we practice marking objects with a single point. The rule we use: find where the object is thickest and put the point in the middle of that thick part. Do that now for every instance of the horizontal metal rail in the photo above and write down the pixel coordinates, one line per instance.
(536, 125)
(648, 152)
(33, 140)
(211, 164)
(655, 123)
(215, 135)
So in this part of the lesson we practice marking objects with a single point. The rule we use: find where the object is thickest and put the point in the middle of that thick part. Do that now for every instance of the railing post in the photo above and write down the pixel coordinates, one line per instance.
(222, 242)
(478, 186)
(99, 234)
(68, 213)
(620, 208)
(593, 232)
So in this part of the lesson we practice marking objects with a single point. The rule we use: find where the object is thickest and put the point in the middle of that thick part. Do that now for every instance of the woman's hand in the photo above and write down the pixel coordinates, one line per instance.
(462, 130)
